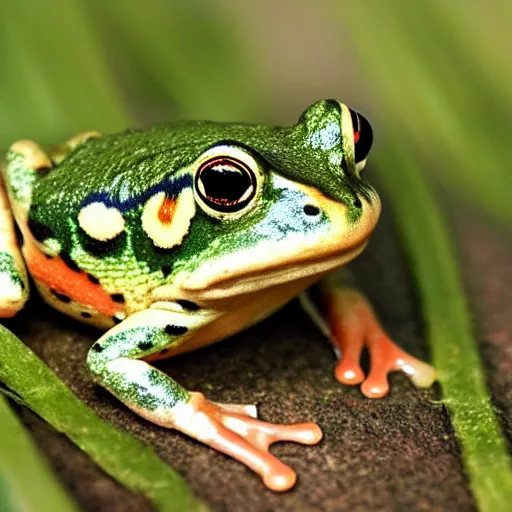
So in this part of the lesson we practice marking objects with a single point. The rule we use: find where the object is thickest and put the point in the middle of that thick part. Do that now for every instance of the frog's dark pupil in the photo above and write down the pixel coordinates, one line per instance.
(225, 184)
(363, 135)
(311, 210)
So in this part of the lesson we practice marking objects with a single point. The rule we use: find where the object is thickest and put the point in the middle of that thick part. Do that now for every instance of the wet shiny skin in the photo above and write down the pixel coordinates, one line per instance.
(170, 263)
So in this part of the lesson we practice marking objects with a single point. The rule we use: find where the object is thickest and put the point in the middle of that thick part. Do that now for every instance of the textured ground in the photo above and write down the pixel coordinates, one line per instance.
(398, 453)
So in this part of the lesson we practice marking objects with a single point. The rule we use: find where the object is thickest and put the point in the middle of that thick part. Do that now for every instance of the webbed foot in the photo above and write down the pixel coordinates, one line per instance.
(232, 429)
(354, 326)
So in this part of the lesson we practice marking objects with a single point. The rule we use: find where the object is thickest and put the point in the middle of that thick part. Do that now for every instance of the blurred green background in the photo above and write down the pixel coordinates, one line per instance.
(433, 76)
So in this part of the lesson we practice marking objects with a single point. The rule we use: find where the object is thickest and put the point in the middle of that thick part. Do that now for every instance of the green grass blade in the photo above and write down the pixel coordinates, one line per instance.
(425, 76)
(435, 118)
(127, 460)
(449, 330)
(26, 483)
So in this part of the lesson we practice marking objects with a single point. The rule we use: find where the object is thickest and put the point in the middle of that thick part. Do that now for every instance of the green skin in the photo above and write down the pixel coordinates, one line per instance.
(124, 170)
(8, 267)
(311, 152)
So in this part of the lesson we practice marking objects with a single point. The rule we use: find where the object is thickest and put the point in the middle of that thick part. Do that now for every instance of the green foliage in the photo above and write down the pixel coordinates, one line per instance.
(448, 327)
(443, 115)
(26, 483)
(438, 85)
(438, 75)
(55, 80)
(37, 387)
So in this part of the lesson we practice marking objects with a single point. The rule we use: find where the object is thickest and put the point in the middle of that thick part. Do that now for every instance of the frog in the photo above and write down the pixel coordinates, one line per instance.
(176, 236)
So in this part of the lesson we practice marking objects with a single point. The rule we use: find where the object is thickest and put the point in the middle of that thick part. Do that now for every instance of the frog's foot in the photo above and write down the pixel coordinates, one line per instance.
(117, 362)
(12, 296)
(354, 326)
(244, 409)
(25, 164)
(232, 429)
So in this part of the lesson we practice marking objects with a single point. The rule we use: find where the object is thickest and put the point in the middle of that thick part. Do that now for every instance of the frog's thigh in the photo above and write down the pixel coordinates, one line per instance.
(115, 361)
(25, 163)
(352, 326)
(13, 276)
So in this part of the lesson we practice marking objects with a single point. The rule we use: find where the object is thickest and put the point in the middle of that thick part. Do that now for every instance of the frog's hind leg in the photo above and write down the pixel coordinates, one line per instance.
(24, 164)
(13, 275)
(117, 363)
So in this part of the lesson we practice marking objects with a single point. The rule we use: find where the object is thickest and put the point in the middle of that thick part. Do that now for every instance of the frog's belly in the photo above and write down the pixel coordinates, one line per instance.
(242, 312)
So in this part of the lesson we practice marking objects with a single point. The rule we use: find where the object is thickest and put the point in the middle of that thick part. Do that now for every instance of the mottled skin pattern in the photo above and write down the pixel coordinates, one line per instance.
(178, 236)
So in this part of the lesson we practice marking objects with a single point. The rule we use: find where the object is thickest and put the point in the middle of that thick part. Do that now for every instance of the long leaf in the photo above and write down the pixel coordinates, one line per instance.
(26, 483)
(422, 90)
(449, 329)
(127, 460)
(425, 79)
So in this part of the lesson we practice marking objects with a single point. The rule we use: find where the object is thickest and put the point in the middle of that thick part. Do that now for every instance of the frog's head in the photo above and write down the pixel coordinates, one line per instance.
(278, 204)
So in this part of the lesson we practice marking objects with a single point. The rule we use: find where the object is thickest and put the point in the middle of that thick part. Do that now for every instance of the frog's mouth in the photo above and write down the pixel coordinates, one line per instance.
(241, 282)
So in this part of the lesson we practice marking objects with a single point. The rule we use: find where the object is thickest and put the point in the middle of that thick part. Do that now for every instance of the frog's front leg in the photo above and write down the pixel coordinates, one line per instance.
(352, 325)
(116, 363)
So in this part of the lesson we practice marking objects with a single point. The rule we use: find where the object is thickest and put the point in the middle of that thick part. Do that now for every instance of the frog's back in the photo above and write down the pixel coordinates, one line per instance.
(80, 216)
(91, 213)
(106, 220)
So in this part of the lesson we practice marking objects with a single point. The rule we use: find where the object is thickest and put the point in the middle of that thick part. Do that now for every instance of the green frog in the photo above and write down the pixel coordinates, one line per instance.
(175, 237)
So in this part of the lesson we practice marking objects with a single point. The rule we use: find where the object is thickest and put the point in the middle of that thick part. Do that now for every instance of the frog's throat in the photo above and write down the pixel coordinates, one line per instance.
(258, 280)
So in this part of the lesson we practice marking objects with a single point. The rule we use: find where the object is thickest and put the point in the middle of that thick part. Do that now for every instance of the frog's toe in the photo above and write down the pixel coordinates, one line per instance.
(348, 371)
(262, 434)
(422, 374)
(33, 157)
(12, 297)
(387, 357)
(250, 410)
(236, 433)
(354, 326)
(13, 290)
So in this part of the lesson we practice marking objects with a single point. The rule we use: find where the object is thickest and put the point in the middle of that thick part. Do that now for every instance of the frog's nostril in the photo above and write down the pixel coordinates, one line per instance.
(311, 210)
(357, 203)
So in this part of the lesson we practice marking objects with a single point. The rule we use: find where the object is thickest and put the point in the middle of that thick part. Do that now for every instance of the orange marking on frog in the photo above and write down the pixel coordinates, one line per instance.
(8, 312)
(166, 211)
(55, 274)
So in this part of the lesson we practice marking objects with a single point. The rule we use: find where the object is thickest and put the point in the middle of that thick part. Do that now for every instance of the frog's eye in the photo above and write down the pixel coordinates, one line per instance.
(225, 184)
(363, 136)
